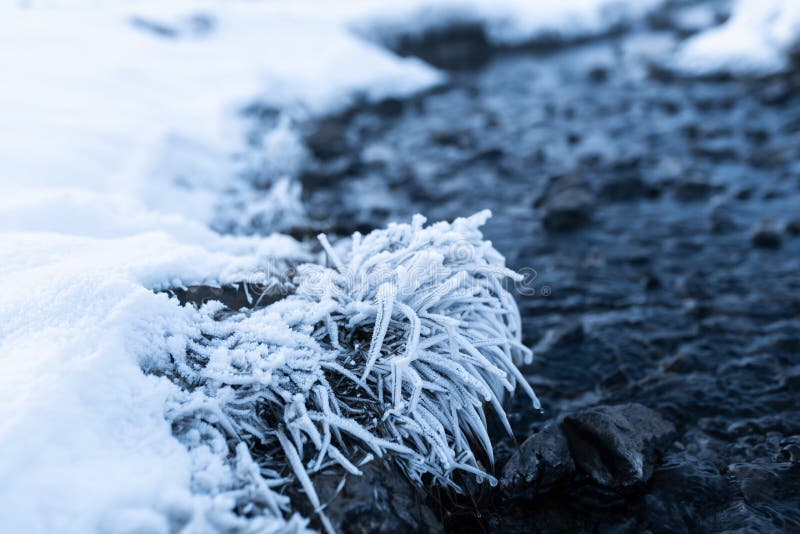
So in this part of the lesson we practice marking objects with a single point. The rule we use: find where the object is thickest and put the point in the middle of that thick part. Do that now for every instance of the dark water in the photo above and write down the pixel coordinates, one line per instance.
(661, 217)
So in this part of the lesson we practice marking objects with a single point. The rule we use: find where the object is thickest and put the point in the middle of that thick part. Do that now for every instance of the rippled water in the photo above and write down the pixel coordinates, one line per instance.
(660, 216)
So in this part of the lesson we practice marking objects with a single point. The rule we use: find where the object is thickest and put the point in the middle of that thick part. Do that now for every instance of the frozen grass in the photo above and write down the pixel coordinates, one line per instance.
(393, 352)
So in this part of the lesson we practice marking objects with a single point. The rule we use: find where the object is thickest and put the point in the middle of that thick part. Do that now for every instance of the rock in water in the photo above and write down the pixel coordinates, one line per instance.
(766, 234)
(616, 446)
(568, 210)
(382, 500)
(542, 461)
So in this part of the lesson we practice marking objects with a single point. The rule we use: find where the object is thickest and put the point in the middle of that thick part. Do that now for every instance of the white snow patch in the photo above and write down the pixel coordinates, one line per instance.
(755, 40)
(90, 99)
(83, 434)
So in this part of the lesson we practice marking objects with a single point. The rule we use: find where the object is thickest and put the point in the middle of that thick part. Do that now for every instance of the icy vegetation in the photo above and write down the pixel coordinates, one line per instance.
(391, 352)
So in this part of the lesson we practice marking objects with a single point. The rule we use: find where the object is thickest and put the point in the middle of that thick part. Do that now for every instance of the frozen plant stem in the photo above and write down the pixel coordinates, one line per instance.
(393, 353)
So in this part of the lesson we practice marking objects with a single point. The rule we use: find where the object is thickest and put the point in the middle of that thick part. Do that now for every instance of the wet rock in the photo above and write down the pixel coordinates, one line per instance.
(461, 47)
(390, 107)
(382, 500)
(568, 334)
(542, 461)
(617, 446)
(329, 139)
(692, 190)
(235, 296)
(624, 188)
(598, 74)
(722, 221)
(789, 450)
(777, 92)
(717, 151)
(456, 138)
(766, 234)
(568, 210)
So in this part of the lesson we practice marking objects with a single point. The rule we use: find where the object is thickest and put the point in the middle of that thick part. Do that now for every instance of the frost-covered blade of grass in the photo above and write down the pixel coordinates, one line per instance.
(394, 352)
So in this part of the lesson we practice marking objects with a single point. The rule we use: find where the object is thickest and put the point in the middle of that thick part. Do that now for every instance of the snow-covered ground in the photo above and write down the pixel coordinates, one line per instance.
(757, 39)
(123, 142)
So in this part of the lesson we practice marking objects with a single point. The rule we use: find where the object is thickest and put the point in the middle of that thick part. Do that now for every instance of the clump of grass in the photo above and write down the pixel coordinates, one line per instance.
(392, 351)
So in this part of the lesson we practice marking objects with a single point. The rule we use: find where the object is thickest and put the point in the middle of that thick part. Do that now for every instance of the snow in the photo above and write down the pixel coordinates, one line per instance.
(757, 39)
(120, 109)
(83, 434)
(123, 144)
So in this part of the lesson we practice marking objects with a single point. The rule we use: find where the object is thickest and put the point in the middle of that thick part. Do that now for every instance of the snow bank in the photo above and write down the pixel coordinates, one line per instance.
(143, 99)
(83, 438)
(757, 39)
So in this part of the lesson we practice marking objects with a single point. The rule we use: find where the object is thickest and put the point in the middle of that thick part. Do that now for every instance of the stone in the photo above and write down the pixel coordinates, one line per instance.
(624, 188)
(329, 139)
(692, 190)
(598, 74)
(617, 446)
(542, 461)
(567, 210)
(458, 47)
(381, 500)
(766, 234)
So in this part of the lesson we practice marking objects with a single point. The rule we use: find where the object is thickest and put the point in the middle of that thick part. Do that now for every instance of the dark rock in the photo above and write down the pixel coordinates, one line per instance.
(766, 234)
(382, 500)
(716, 151)
(542, 461)
(457, 138)
(757, 135)
(777, 92)
(724, 218)
(235, 296)
(793, 227)
(789, 450)
(652, 282)
(390, 107)
(461, 47)
(617, 446)
(624, 188)
(598, 74)
(568, 210)
(692, 190)
(744, 193)
(670, 107)
(329, 139)
(568, 334)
